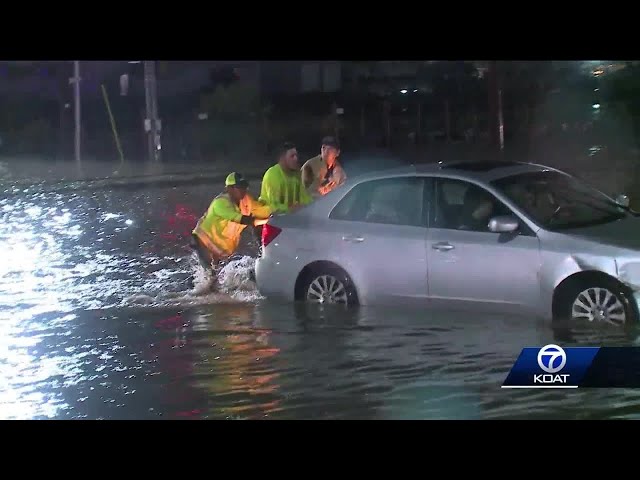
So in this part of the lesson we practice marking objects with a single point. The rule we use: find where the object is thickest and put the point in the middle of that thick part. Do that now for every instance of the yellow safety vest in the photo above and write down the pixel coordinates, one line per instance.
(220, 228)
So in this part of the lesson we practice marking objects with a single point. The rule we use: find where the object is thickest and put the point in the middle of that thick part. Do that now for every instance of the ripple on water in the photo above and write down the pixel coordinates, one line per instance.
(58, 253)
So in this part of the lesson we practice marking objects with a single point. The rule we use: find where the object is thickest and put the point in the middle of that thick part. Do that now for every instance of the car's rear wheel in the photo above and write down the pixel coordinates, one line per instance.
(602, 301)
(329, 285)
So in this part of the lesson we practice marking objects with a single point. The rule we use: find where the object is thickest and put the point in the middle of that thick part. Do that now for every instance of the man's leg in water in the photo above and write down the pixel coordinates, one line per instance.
(211, 261)
(205, 258)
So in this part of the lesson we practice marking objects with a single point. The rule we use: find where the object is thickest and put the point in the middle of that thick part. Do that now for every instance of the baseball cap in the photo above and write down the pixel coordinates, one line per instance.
(235, 179)
(331, 142)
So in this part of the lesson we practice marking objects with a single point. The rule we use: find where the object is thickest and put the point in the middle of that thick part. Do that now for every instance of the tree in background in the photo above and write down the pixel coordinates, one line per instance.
(621, 92)
(526, 86)
(236, 120)
(457, 91)
(358, 85)
(27, 121)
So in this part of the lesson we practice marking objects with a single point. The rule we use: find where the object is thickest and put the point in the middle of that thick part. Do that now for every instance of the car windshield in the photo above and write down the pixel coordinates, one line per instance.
(557, 201)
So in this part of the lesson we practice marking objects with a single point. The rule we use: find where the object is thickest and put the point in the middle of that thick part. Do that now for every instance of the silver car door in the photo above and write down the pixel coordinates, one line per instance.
(470, 266)
(379, 232)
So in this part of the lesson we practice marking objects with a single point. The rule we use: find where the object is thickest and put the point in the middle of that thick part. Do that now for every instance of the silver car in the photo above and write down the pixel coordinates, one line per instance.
(491, 237)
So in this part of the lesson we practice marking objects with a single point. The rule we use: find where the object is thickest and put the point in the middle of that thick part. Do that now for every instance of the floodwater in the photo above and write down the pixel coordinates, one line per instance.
(104, 315)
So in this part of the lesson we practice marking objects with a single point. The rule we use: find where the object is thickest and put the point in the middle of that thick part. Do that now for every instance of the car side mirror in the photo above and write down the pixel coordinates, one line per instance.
(504, 224)
(622, 200)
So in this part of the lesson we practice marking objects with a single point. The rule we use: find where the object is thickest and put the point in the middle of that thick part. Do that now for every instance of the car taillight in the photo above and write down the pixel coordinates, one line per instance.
(269, 233)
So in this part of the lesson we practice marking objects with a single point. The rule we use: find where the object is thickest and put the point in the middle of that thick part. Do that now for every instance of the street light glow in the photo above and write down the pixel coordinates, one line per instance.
(403, 91)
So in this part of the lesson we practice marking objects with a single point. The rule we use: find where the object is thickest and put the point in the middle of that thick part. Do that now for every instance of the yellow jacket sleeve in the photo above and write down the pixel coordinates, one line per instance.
(223, 208)
(258, 209)
(270, 192)
(305, 197)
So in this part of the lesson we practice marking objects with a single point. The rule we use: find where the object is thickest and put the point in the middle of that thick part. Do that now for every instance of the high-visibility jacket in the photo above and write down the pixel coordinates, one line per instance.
(319, 179)
(281, 190)
(220, 227)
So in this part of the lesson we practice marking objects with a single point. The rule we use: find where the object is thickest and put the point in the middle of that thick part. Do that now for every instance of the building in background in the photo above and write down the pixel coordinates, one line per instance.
(295, 77)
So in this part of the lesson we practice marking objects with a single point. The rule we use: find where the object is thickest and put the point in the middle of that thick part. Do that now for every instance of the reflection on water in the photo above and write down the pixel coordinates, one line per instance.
(104, 314)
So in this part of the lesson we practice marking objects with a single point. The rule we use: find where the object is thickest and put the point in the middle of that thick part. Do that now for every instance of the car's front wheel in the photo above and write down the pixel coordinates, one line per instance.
(602, 301)
(329, 285)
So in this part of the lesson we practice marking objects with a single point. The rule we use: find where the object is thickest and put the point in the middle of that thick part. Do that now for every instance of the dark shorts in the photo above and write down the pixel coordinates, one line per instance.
(206, 259)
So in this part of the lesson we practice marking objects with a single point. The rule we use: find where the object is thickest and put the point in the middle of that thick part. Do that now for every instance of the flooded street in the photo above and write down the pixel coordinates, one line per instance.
(104, 315)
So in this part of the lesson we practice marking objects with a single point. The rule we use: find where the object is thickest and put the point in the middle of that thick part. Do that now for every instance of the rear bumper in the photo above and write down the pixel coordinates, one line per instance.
(275, 279)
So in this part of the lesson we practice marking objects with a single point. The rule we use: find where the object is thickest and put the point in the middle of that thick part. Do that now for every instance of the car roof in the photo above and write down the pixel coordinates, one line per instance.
(491, 170)
(486, 171)
(481, 172)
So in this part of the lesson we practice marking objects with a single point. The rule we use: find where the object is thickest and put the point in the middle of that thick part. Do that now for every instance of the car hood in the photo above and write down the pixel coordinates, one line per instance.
(624, 233)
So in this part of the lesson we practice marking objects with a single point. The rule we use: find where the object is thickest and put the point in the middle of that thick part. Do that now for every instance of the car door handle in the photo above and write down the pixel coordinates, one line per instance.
(353, 239)
(443, 246)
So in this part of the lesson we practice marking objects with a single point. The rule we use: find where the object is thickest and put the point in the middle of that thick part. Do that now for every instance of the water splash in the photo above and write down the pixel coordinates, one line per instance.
(203, 279)
(235, 278)
(232, 285)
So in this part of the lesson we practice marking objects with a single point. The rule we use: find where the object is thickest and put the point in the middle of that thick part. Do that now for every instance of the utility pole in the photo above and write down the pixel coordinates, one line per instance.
(75, 80)
(496, 126)
(152, 123)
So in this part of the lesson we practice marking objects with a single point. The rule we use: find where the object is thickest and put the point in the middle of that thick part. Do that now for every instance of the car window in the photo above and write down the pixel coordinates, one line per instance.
(461, 205)
(453, 192)
(557, 201)
(392, 201)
